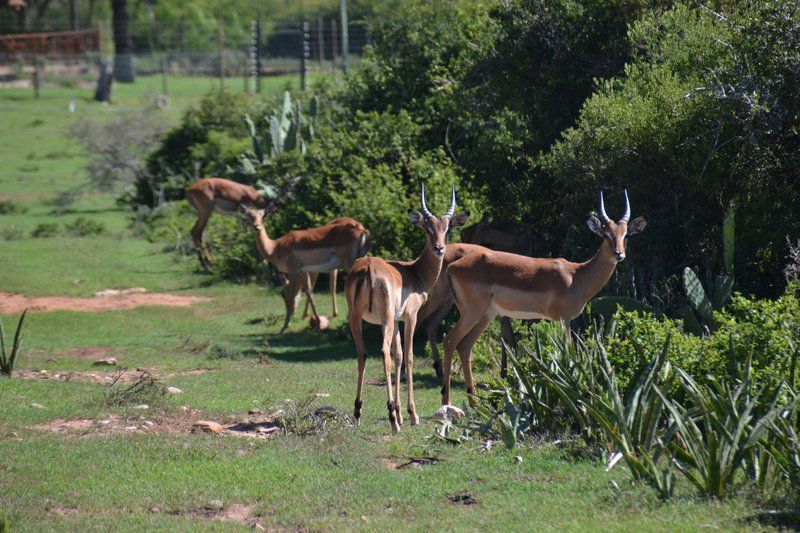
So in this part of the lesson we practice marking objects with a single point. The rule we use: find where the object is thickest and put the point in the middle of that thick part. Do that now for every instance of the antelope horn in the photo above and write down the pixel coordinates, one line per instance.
(424, 206)
(603, 216)
(452, 209)
(627, 216)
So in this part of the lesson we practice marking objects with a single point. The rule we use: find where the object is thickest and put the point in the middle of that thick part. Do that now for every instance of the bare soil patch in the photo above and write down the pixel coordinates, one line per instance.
(16, 303)
(155, 424)
(236, 512)
(114, 424)
(101, 377)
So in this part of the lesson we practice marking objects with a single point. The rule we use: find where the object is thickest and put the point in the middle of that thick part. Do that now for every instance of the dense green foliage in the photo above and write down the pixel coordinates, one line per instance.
(539, 104)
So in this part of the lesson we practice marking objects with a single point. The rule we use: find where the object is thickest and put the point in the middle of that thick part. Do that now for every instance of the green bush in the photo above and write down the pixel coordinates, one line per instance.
(212, 134)
(371, 169)
(9, 207)
(766, 330)
(84, 227)
(45, 230)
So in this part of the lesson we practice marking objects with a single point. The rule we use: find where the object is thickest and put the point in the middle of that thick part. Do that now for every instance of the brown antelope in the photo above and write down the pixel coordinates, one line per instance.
(389, 292)
(440, 301)
(300, 253)
(487, 284)
(219, 195)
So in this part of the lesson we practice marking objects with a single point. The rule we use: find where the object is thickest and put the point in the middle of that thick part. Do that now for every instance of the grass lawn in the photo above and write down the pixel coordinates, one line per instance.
(226, 357)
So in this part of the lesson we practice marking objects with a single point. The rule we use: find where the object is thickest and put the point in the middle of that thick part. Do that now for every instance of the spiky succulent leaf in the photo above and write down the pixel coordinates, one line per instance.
(697, 295)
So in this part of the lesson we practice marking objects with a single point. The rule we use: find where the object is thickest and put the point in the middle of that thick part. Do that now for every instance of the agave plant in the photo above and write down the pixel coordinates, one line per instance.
(703, 301)
(7, 359)
(720, 429)
(635, 421)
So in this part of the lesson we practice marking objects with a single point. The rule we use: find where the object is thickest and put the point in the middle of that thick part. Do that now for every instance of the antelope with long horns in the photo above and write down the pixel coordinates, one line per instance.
(389, 292)
(487, 284)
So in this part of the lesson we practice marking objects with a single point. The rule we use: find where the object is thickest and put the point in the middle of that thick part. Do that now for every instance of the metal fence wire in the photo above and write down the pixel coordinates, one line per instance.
(282, 47)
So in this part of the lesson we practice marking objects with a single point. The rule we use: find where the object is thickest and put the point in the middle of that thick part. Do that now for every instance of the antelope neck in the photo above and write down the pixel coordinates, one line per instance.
(265, 245)
(427, 266)
(593, 275)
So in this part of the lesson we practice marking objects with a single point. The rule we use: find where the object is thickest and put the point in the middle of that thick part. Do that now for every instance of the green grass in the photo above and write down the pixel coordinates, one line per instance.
(336, 481)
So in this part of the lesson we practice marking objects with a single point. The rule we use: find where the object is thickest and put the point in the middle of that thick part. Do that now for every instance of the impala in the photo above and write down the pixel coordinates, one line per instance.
(219, 195)
(300, 253)
(389, 292)
(487, 284)
(440, 301)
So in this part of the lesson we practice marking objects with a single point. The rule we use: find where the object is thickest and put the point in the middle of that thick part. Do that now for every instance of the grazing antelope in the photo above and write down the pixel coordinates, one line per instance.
(389, 292)
(300, 253)
(487, 284)
(222, 196)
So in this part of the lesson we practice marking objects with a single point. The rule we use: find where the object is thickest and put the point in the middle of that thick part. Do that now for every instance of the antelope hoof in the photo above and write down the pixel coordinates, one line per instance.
(414, 418)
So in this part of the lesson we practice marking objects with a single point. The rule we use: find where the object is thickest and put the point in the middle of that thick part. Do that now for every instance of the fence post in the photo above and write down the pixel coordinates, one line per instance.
(305, 53)
(320, 43)
(334, 37)
(255, 55)
(345, 40)
(37, 75)
(164, 75)
(221, 49)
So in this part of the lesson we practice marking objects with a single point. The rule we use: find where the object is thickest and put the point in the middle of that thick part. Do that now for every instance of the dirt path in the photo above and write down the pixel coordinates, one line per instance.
(16, 303)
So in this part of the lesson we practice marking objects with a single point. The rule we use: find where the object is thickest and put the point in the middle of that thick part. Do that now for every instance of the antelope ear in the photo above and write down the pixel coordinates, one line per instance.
(637, 225)
(416, 217)
(459, 220)
(595, 226)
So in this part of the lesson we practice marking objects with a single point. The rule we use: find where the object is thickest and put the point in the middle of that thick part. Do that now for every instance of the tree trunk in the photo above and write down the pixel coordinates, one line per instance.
(73, 14)
(123, 46)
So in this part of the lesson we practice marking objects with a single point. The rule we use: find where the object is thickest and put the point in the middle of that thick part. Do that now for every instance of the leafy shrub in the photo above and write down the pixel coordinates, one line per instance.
(370, 168)
(8, 207)
(12, 233)
(117, 149)
(84, 227)
(766, 330)
(45, 230)
(211, 134)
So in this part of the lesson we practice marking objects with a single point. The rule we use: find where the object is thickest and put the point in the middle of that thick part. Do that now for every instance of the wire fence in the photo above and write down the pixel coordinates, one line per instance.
(69, 57)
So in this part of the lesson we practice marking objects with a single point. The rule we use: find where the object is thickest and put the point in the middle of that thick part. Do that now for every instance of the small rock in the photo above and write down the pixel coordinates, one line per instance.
(206, 427)
(133, 290)
(323, 395)
(131, 428)
(174, 390)
(184, 407)
(517, 459)
(104, 422)
(215, 504)
(43, 372)
(321, 323)
(107, 361)
(446, 413)
(255, 411)
(37, 405)
(142, 407)
(149, 423)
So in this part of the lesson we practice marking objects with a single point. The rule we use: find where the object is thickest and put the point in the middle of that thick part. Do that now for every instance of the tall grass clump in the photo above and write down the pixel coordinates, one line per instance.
(9, 357)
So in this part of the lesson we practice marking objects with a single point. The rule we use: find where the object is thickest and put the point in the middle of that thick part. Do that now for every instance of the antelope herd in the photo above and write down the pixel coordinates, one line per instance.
(482, 283)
